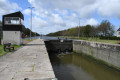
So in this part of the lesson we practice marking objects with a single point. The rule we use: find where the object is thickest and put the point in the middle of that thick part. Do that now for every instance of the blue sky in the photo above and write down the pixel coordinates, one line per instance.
(50, 16)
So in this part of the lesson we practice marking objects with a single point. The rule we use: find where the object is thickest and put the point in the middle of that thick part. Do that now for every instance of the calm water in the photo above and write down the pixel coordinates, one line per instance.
(77, 67)
(45, 37)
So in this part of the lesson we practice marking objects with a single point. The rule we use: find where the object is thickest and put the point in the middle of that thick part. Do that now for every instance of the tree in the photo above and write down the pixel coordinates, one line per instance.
(0, 29)
(27, 32)
(87, 30)
(0, 22)
(106, 29)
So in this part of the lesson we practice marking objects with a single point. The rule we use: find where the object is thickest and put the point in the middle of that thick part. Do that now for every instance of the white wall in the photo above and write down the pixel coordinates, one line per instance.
(118, 35)
(13, 37)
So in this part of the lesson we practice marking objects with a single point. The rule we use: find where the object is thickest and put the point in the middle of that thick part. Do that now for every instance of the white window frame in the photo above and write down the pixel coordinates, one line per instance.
(20, 23)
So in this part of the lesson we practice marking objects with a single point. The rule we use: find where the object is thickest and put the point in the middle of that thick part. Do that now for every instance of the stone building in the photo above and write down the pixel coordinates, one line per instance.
(118, 32)
(13, 27)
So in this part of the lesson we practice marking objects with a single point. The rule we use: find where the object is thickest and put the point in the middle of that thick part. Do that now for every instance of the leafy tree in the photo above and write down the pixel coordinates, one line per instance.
(0, 29)
(27, 33)
(106, 29)
(87, 30)
(0, 22)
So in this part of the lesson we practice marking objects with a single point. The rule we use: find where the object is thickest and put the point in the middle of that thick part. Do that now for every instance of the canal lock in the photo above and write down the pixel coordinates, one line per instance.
(59, 46)
(74, 66)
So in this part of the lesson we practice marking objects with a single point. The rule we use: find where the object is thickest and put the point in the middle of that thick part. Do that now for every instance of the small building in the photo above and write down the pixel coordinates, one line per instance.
(13, 27)
(118, 32)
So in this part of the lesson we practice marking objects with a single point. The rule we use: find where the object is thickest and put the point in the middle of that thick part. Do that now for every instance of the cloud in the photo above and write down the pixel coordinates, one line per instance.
(63, 14)
(92, 22)
(38, 22)
(83, 7)
(109, 8)
(27, 11)
(7, 7)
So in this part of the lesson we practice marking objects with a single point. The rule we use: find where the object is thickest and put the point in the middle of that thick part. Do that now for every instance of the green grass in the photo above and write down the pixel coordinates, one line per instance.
(2, 52)
(100, 40)
(93, 39)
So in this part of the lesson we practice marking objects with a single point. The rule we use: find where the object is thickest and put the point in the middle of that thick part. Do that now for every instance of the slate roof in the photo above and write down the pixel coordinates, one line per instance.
(118, 29)
(16, 14)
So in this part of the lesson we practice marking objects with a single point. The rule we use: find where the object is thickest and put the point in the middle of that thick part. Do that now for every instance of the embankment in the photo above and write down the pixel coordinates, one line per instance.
(107, 53)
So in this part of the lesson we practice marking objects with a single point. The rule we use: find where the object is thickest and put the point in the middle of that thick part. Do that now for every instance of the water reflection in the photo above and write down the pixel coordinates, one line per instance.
(78, 67)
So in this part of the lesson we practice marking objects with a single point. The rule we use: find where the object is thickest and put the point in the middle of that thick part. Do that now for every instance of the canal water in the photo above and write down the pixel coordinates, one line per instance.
(45, 38)
(75, 66)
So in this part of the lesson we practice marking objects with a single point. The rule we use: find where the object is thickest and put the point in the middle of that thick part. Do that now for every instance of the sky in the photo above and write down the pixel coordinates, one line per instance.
(55, 15)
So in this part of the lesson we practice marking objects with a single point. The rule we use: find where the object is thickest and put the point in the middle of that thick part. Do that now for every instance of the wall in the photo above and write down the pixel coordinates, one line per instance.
(59, 45)
(13, 37)
(109, 53)
(118, 33)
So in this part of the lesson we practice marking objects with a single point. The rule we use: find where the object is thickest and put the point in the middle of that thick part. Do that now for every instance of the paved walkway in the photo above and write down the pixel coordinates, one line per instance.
(30, 61)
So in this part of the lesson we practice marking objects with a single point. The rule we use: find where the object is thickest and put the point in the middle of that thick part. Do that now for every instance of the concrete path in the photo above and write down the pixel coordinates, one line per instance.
(31, 61)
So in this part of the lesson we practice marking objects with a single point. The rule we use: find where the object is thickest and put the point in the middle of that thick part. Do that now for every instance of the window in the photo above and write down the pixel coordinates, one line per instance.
(22, 22)
(13, 21)
(119, 33)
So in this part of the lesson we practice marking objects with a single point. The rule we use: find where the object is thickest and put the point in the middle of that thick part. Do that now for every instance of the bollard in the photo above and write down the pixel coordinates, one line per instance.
(26, 79)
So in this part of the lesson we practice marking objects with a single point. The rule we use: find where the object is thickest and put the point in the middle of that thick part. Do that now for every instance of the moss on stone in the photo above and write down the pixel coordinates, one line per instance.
(98, 60)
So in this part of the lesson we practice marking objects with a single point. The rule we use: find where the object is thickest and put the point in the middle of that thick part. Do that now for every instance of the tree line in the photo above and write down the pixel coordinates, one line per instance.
(27, 33)
(104, 29)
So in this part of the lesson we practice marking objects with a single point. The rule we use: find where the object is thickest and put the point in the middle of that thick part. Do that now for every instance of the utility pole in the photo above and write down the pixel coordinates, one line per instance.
(31, 22)
(79, 28)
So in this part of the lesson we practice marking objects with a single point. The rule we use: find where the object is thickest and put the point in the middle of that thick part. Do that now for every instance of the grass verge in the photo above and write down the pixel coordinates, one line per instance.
(93, 39)
(2, 52)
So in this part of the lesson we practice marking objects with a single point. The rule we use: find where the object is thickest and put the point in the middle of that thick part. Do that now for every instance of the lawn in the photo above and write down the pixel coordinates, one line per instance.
(94, 39)
(99, 40)
(2, 52)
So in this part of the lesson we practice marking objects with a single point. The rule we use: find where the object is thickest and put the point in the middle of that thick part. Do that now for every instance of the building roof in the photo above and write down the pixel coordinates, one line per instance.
(118, 29)
(16, 14)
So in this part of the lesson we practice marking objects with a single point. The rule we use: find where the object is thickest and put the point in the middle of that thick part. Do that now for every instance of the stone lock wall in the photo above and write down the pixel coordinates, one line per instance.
(109, 53)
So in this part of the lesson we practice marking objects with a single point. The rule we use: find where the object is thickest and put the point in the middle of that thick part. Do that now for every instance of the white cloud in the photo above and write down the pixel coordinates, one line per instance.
(39, 23)
(62, 14)
(83, 7)
(92, 22)
(7, 7)
(109, 8)
(27, 11)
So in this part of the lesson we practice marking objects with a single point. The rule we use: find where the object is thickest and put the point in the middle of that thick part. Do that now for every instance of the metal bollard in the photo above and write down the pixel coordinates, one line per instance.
(26, 79)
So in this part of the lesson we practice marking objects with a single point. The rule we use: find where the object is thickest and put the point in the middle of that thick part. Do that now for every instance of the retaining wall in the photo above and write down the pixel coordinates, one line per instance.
(109, 53)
